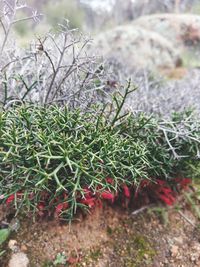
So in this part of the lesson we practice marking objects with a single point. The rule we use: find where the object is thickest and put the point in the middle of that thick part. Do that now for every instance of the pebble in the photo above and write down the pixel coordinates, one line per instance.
(174, 250)
(24, 248)
(12, 244)
(194, 257)
(19, 259)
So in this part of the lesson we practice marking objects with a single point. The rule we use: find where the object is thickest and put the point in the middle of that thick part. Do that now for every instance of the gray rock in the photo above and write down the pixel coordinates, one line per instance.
(19, 259)
(136, 47)
(181, 29)
(12, 244)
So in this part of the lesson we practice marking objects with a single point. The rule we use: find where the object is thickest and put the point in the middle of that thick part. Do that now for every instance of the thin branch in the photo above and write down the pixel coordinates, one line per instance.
(3, 26)
(13, 61)
(55, 73)
(186, 218)
(136, 212)
(169, 144)
(51, 62)
(25, 19)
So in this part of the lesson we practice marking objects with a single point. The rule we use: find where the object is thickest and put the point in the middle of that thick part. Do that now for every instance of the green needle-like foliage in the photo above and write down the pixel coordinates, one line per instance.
(57, 150)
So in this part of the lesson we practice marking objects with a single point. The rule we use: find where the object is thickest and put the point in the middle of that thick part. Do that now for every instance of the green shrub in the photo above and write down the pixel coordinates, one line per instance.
(57, 150)
(61, 151)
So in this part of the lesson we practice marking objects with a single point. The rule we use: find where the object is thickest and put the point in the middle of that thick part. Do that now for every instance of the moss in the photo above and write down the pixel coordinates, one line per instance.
(161, 213)
(91, 256)
(133, 250)
(144, 247)
(95, 254)
(47, 264)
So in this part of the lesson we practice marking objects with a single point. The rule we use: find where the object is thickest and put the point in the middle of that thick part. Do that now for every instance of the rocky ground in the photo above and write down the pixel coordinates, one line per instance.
(152, 236)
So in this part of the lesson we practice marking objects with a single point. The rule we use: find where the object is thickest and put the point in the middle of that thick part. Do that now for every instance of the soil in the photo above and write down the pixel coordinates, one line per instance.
(153, 236)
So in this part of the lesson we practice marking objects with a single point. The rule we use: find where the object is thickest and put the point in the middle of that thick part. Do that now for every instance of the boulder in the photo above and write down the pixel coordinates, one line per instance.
(19, 259)
(136, 47)
(181, 29)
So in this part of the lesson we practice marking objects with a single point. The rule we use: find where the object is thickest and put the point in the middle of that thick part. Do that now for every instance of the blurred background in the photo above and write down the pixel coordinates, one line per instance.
(155, 42)
(97, 15)
(168, 28)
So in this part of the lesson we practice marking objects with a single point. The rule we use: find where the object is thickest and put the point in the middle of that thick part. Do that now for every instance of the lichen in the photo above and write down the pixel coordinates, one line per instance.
(133, 250)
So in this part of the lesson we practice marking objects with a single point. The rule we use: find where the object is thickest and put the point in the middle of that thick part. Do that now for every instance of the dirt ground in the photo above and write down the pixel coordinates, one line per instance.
(153, 236)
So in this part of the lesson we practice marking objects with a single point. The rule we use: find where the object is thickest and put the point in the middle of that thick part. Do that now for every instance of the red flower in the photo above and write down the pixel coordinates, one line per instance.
(126, 191)
(41, 209)
(110, 180)
(164, 190)
(87, 192)
(41, 206)
(160, 182)
(60, 207)
(89, 199)
(169, 200)
(144, 183)
(90, 202)
(10, 199)
(108, 195)
(183, 182)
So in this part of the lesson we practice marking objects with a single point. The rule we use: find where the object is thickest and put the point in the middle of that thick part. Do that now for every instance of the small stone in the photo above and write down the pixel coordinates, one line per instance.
(174, 251)
(12, 244)
(193, 258)
(196, 246)
(24, 248)
(19, 259)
